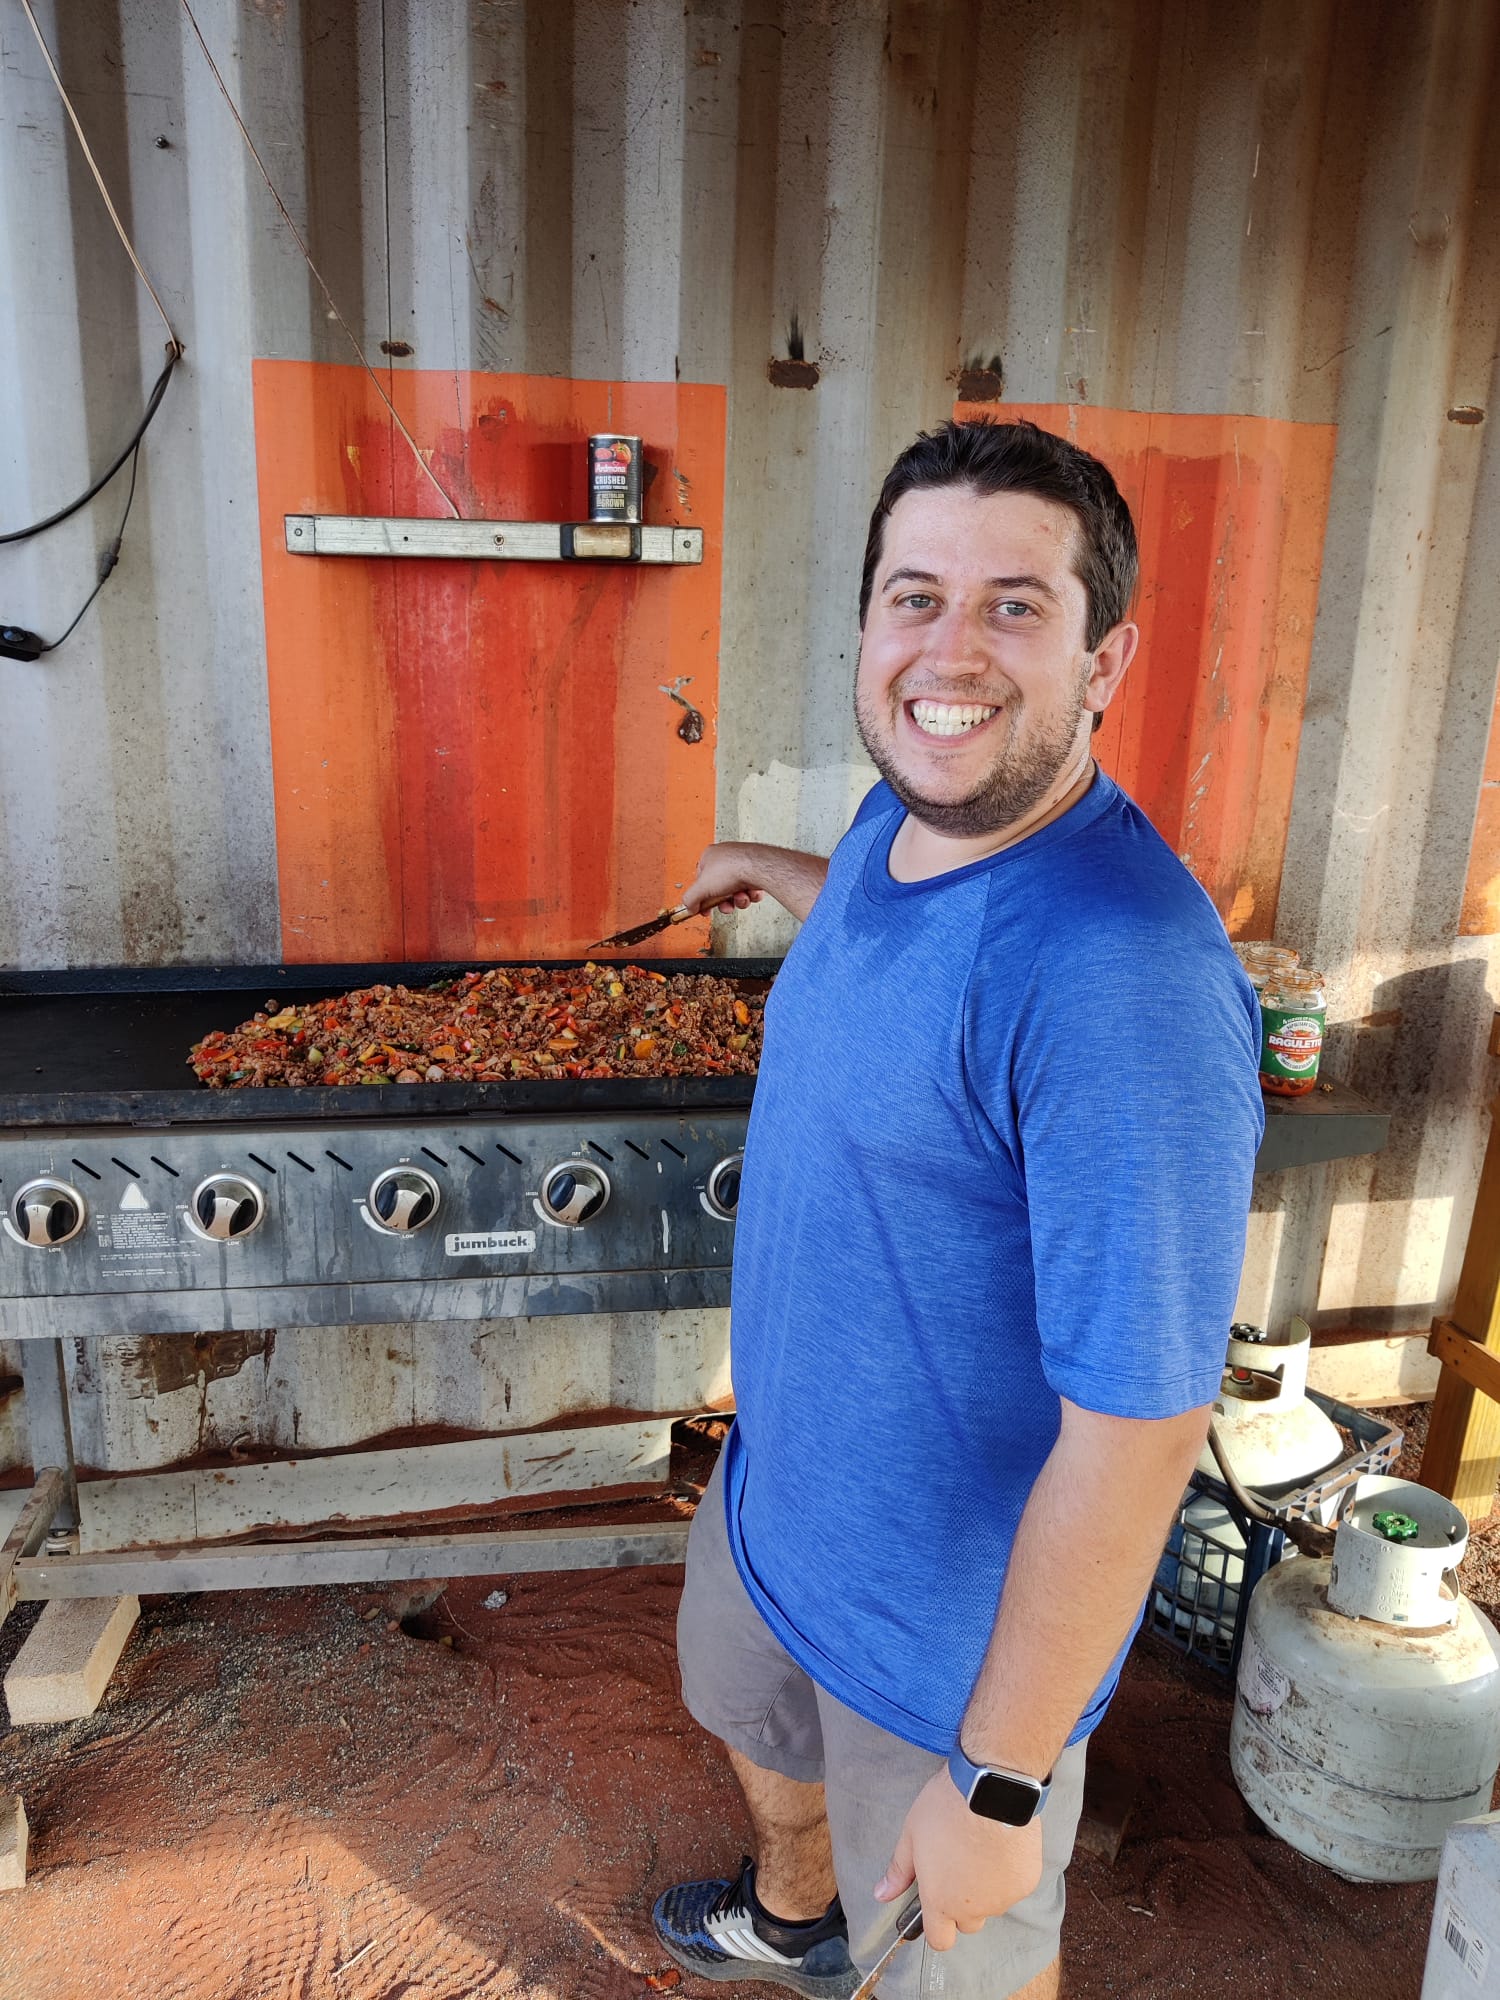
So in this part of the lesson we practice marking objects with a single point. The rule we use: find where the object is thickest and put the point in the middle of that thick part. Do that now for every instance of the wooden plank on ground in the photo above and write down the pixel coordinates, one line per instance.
(14, 1833)
(64, 1666)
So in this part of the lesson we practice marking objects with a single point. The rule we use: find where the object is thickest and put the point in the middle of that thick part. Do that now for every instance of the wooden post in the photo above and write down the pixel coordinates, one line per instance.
(1462, 1456)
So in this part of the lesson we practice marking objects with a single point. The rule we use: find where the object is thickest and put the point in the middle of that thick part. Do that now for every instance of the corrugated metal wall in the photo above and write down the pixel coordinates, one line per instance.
(1282, 210)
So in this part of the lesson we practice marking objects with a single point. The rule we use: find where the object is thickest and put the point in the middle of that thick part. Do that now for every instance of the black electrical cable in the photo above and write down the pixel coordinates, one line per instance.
(174, 355)
(108, 557)
(18, 644)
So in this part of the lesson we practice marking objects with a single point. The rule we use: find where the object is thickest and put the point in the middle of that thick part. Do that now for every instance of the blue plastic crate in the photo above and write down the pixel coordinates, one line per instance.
(1216, 1554)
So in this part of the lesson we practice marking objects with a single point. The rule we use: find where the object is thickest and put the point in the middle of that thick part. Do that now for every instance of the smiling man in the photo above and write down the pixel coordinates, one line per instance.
(989, 1239)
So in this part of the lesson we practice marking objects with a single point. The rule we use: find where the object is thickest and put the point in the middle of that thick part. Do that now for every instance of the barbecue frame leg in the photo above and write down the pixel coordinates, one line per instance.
(49, 1426)
(33, 1525)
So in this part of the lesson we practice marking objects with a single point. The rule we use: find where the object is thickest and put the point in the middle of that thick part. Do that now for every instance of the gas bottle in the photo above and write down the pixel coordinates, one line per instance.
(1367, 1703)
(1200, 1577)
(1276, 1440)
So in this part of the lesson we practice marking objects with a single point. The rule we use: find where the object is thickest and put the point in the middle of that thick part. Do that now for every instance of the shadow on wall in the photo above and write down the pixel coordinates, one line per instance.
(1415, 1055)
(1377, 1241)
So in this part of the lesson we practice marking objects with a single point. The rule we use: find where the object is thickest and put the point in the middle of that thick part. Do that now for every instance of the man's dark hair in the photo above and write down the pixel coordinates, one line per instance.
(1022, 458)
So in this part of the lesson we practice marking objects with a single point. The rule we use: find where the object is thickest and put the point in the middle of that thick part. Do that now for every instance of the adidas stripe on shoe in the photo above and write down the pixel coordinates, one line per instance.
(719, 1930)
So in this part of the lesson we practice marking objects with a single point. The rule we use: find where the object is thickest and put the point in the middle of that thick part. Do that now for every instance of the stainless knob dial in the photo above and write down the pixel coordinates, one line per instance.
(225, 1207)
(573, 1193)
(403, 1199)
(46, 1212)
(722, 1190)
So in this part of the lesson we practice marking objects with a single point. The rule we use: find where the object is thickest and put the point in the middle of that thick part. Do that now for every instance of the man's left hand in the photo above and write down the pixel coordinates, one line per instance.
(966, 1868)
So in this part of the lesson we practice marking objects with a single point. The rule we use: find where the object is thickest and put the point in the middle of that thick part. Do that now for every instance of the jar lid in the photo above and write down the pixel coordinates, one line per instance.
(1290, 986)
(1262, 952)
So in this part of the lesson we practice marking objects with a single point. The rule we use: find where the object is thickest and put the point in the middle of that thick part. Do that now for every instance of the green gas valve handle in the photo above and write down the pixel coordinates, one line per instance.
(1396, 1527)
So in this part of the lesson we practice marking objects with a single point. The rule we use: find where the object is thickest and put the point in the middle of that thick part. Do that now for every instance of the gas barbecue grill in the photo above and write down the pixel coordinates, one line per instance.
(134, 1200)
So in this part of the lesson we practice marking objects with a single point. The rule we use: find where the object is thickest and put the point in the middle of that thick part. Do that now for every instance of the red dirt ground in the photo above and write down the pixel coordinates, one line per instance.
(289, 1795)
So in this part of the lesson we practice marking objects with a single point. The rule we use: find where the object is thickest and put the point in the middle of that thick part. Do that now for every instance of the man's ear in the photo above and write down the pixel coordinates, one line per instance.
(1108, 663)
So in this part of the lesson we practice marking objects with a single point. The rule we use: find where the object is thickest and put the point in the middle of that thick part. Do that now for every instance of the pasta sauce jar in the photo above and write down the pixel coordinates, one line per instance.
(1293, 1007)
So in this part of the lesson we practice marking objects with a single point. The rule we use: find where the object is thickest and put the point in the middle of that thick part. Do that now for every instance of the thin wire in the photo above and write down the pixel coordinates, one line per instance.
(98, 177)
(108, 559)
(286, 217)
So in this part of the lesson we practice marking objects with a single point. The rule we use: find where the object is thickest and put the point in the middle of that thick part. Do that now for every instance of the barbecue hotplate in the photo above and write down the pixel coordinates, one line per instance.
(109, 1046)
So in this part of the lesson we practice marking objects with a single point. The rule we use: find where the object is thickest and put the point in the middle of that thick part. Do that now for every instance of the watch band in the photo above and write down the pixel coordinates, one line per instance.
(1009, 1797)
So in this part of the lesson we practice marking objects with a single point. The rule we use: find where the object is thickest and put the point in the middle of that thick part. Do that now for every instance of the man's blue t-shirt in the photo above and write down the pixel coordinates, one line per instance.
(1000, 1154)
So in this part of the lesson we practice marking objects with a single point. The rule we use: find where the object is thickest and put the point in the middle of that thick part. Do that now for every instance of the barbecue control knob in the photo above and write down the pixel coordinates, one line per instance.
(573, 1193)
(722, 1192)
(403, 1199)
(46, 1213)
(225, 1207)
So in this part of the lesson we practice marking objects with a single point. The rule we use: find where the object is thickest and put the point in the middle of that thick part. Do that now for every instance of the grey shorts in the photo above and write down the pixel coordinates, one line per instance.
(741, 1685)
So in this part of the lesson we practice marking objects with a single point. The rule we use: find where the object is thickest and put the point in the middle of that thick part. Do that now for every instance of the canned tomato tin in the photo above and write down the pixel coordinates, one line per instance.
(614, 478)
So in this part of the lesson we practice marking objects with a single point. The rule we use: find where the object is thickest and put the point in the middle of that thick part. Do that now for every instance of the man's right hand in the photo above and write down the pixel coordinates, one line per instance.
(733, 874)
(727, 878)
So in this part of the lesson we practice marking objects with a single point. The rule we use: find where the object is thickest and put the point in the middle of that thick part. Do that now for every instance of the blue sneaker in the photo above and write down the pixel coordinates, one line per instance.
(718, 1930)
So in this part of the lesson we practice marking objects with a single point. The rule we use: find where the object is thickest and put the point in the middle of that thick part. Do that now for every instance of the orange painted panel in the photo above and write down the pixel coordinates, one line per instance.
(1230, 512)
(1481, 911)
(476, 759)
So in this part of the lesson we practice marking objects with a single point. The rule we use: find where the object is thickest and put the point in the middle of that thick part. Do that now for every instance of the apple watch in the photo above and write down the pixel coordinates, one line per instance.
(994, 1793)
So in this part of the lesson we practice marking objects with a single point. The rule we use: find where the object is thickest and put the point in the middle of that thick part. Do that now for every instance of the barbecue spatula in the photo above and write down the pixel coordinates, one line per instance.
(908, 1926)
(639, 934)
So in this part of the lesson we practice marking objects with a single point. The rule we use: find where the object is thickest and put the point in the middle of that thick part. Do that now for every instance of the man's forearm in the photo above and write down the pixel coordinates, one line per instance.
(792, 877)
(734, 872)
(1083, 1558)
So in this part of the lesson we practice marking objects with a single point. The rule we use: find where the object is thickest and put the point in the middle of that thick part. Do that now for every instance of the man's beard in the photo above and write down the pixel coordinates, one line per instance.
(1016, 781)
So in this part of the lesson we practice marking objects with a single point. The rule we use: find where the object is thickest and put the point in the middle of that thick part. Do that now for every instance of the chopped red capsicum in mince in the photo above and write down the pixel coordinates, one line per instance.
(492, 1026)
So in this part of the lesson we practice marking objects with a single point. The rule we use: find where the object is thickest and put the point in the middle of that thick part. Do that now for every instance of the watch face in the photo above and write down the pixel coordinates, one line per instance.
(1012, 1801)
